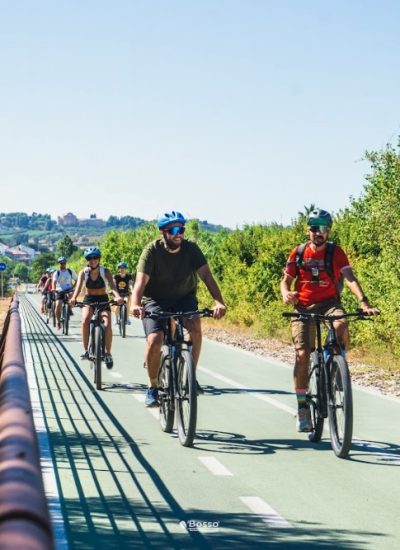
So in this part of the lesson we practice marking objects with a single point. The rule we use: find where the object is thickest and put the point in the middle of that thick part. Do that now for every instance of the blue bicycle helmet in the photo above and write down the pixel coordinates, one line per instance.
(62, 260)
(122, 264)
(319, 217)
(94, 251)
(170, 217)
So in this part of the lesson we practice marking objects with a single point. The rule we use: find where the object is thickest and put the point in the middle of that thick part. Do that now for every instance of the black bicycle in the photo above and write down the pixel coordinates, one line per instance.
(123, 317)
(65, 311)
(177, 387)
(96, 347)
(50, 308)
(329, 383)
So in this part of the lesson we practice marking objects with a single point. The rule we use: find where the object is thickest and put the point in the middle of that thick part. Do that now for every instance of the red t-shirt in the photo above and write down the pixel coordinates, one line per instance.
(313, 283)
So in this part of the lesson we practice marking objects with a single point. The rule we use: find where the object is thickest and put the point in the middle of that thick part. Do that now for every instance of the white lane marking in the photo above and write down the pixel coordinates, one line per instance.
(46, 459)
(154, 411)
(215, 466)
(266, 512)
(115, 374)
(260, 396)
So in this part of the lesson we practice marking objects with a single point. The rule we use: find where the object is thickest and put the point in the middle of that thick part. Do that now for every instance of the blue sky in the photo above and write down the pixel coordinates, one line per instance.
(234, 111)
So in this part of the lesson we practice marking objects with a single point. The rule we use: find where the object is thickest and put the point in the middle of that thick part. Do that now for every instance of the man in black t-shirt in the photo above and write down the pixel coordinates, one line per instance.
(166, 278)
(123, 281)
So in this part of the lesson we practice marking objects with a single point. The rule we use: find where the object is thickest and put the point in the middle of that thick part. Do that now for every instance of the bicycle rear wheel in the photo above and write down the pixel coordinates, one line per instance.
(53, 313)
(122, 320)
(315, 398)
(165, 392)
(98, 344)
(341, 407)
(186, 398)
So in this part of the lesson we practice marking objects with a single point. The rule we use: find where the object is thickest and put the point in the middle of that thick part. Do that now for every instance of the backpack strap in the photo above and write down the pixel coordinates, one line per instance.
(299, 256)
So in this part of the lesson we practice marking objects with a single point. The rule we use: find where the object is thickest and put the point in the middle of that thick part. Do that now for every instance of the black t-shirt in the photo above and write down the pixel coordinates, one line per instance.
(172, 276)
(123, 283)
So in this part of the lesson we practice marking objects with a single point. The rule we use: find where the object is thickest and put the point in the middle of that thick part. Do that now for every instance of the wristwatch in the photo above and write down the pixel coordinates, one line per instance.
(364, 299)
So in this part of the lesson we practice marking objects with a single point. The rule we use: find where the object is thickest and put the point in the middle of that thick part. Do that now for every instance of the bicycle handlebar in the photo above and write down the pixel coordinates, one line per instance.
(182, 314)
(309, 316)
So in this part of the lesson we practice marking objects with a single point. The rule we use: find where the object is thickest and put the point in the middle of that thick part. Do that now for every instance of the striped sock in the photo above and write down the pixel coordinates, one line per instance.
(301, 398)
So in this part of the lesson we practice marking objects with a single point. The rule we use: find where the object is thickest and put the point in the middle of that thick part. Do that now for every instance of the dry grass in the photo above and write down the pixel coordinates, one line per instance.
(4, 307)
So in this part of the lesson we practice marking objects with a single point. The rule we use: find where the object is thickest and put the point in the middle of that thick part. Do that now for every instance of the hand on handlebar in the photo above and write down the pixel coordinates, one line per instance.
(219, 310)
(369, 310)
(72, 302)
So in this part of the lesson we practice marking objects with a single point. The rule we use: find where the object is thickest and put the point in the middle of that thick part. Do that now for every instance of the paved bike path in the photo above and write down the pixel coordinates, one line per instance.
(250, 476)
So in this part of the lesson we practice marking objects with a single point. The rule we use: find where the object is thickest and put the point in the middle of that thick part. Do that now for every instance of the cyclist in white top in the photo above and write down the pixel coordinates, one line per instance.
(64, 280)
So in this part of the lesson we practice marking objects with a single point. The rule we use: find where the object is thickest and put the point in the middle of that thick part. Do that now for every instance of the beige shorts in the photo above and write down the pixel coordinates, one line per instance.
(303, 332)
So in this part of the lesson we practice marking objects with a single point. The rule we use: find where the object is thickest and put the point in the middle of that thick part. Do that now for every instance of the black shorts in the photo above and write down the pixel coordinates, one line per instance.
(61, 293)
(103, 298)
(187, 303)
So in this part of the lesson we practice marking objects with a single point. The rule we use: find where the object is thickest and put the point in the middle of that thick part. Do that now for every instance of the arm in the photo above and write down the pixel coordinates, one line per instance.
(113, 286)
(77, 288)
(137, 294)
(288, 296)
(356, 289)
(206, 276)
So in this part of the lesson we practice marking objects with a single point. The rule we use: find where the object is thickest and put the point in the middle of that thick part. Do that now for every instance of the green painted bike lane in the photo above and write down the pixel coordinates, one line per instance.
(124, 483)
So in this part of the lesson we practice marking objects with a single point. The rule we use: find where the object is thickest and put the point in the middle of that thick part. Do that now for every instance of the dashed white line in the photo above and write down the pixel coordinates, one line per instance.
(266, 512)
(260, 396)
(115, 374)
(215, 466)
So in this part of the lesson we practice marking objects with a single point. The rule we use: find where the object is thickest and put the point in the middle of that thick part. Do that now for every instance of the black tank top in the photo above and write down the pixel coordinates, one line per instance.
(96, 283)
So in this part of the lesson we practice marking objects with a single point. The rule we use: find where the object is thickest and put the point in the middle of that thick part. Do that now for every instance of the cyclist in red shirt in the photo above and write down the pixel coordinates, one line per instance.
(317, 289)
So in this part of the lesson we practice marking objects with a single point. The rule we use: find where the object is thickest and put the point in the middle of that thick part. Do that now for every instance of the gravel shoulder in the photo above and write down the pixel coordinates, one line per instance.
(367, 376)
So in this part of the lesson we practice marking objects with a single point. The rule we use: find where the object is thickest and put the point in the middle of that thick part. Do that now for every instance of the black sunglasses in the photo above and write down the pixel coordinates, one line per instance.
(93, 258)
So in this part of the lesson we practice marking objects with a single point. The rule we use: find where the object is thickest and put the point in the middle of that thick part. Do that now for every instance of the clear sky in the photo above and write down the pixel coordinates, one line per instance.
(234, 111)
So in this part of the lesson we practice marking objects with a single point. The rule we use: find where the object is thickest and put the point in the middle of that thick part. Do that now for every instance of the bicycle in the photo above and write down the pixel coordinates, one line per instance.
(65, 311)
(123, 317)
(177, 389)
(96, 347)
(329, 388)
(50, 308)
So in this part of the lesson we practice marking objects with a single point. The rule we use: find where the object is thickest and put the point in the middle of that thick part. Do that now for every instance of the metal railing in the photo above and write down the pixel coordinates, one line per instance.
(24, 514)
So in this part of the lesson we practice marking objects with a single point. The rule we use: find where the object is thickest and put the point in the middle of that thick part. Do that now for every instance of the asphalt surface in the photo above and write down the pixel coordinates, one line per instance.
(115, 480)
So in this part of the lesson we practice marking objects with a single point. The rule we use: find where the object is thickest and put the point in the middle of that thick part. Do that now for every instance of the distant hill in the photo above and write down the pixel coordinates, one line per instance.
(41, 232)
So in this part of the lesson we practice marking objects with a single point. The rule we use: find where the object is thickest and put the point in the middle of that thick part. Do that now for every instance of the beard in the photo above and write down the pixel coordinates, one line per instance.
(171, 244)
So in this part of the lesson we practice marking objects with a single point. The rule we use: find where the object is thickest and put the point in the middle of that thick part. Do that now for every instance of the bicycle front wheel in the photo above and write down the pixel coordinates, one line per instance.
(186, 398)
(122, 320)
(315, 397)
(165, 392)
(98, 345)
(340, 407)
(66, 319)
(53, 314)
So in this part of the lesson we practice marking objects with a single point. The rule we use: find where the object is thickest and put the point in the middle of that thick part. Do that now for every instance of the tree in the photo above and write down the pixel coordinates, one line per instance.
(40, 264)
(65, 247)
(22, 272)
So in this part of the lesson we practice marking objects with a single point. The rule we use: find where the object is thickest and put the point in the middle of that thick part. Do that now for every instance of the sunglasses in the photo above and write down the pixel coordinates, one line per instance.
(93, 258)
(319, 228)
(176, 230)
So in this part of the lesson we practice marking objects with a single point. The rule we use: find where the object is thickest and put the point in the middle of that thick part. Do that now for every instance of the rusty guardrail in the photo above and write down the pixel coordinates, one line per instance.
(24, 516)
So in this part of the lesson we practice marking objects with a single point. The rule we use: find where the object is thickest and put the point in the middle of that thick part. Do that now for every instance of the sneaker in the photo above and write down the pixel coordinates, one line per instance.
(108, 360)
(151, 399)
(85, 356)
(199, 389)
(303, 423)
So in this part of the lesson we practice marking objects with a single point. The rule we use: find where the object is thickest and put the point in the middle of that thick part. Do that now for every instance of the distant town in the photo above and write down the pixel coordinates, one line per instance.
(23, 237)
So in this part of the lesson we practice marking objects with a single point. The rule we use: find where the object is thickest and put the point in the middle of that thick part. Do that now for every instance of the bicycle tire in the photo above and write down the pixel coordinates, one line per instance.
(165, 392)
(340, 407)
(122, 320)
(98, 345)
(186, 398)
(53, 314)
(315, 399)
(66, 319)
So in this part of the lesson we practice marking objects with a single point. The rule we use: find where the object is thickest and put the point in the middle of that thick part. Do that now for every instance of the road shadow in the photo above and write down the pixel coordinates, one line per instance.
(236, 443)
(214, 391)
